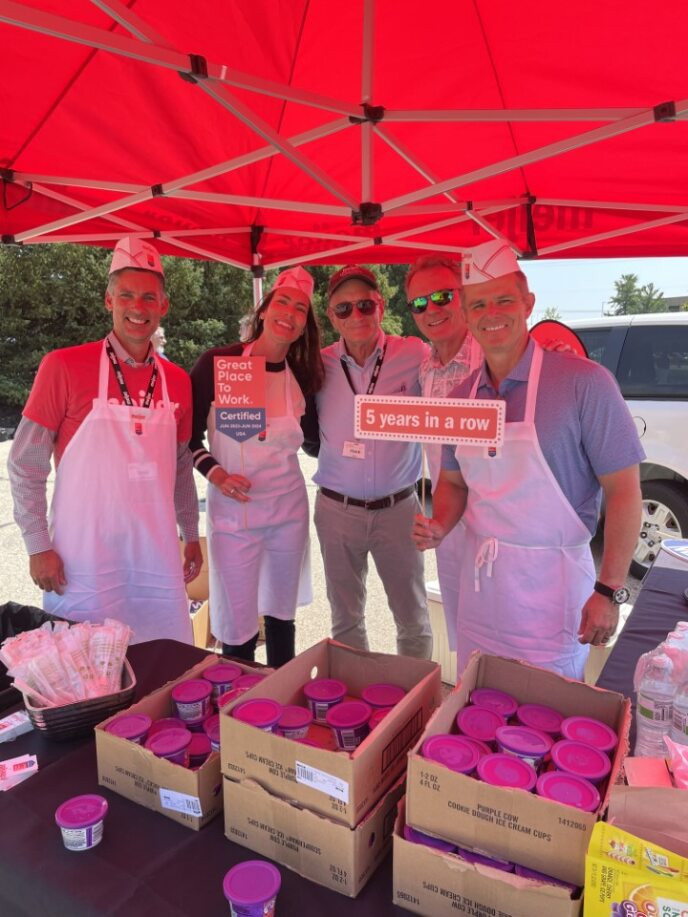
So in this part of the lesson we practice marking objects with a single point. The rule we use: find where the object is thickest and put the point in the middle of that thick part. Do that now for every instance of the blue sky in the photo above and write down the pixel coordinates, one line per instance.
(582, 288)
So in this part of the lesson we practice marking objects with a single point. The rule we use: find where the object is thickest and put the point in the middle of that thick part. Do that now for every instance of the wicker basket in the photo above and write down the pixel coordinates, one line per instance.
(71, 721)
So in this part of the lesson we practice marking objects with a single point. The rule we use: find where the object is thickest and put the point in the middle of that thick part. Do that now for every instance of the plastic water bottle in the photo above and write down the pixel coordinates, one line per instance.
(654, 704)
(679, 722)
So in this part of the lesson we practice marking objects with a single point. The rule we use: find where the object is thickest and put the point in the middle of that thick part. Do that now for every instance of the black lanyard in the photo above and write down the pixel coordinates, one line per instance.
(373, 378)
(119, 375)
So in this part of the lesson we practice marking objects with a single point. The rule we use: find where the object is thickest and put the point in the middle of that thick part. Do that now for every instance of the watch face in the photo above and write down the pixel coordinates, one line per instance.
(621, 596)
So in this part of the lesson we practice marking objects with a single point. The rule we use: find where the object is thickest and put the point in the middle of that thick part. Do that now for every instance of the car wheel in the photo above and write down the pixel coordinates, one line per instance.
(665, 515)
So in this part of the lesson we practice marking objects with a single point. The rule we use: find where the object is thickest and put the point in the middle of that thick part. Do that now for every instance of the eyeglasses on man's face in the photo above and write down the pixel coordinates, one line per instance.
(438, 298)
(345, 308)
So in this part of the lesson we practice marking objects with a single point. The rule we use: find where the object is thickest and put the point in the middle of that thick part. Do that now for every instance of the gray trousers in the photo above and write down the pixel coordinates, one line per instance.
(347, 535)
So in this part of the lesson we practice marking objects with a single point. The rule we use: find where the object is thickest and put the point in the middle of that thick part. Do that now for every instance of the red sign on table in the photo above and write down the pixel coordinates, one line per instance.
(462, 421)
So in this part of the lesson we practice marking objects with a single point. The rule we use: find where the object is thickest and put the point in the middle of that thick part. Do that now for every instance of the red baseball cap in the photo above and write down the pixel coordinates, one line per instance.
(351, 272)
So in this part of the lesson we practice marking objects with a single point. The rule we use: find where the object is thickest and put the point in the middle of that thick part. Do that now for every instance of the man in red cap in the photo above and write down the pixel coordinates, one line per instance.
(116, 420)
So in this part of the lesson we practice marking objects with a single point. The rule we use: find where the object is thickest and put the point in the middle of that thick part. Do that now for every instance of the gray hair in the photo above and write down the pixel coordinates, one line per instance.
(424, 262)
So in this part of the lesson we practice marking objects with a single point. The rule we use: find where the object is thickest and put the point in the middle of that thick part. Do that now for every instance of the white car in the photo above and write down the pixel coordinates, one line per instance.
(648, 354)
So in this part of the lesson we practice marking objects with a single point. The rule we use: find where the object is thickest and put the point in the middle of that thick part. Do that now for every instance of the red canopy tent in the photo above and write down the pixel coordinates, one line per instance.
(269, 132)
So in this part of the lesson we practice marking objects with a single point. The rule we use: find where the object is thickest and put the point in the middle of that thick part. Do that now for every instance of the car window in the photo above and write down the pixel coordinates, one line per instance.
(654, 362)
(596, 341)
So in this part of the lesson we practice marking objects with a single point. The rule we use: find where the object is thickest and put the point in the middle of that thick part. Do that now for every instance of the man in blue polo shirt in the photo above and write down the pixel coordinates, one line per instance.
(527, 584)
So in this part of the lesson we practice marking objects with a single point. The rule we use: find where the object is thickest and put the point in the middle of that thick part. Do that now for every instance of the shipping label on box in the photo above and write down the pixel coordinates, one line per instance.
(337, 784)
(511, 824)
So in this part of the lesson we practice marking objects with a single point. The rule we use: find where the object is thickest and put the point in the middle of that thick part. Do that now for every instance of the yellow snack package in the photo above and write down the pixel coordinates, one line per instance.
(626, 876)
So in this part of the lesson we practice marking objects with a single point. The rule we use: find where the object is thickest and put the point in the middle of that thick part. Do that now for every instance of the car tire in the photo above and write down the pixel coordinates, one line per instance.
(665, 515)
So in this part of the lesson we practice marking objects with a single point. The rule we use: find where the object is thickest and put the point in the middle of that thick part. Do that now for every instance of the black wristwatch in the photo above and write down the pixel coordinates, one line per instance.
(618, 596)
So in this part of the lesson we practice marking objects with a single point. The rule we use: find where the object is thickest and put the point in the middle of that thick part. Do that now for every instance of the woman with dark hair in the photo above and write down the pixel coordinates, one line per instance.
(257, 522)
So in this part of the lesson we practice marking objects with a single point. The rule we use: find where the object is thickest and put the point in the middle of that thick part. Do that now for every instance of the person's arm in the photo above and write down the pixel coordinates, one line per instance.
(623, 506)
(186, 509)
(449, 504)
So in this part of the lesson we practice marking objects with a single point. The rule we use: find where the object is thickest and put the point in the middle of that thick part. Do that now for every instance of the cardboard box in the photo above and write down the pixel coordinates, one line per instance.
(342, 786)
(427, 881)
(512, 824)
(655, 811)
(192, 798)
(317, 848)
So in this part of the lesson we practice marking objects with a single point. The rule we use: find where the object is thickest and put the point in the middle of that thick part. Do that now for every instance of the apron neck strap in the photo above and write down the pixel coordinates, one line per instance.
(533, 383)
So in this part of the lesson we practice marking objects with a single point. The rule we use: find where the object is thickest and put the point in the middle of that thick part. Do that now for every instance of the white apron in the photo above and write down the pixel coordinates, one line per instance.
(259, 551)
(526, 567)
(112, 519)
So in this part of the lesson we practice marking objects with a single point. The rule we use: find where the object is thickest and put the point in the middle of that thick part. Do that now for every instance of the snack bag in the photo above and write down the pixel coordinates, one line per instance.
(626, 876)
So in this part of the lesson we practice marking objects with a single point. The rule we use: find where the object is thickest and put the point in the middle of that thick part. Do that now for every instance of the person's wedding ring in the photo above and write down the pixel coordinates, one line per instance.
(232, 491)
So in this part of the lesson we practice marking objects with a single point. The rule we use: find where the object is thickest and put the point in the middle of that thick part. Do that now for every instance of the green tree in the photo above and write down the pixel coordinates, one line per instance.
(551, 314)
(632, 299)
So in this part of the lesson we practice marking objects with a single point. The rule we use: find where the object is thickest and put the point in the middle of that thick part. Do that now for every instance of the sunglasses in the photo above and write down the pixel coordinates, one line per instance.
(438, 298)
(364, 306)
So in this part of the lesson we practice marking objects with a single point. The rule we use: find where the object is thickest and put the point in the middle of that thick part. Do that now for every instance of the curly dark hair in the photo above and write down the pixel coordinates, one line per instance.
(303, 355)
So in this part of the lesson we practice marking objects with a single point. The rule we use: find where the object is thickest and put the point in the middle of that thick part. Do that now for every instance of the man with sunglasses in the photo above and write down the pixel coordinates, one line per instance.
(528, 510)
(366, 498)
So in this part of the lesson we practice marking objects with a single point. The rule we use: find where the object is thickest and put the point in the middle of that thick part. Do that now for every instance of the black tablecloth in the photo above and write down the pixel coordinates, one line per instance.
(146, 864)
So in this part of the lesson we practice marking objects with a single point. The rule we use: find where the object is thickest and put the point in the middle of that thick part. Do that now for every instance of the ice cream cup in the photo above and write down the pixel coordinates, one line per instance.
(131, 726)
(192, 700)
(568, 790)
(537, 716)
(377, 716)
(230, 695)
(80, 820)
(526, 873)
(455, 752)
(530, 745)
(591, 732)
(321, 694)
(261, 712)
(472, 856)
(166, 722)
(199, 749)
(349, 723)
(294, 722)
(581, 760)
(172, 744)
(382, 695)
(221, 676)
(418, 837)
(247, 681)
(507, 771)
(251, 888)
(499, 701)
(479, 723)
(211, 727)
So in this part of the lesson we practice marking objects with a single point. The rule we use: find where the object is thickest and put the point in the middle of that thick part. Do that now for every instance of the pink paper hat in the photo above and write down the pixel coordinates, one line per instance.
(488, 261)
(295, 278)
(137, 253)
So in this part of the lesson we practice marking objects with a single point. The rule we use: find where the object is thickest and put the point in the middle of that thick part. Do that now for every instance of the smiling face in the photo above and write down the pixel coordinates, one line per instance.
(358, 330)
(497, 313)
(438, 323)
(137, 301)
(285, 317)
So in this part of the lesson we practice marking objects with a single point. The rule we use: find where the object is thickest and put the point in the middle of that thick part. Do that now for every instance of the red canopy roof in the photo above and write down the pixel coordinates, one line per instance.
(309, 130)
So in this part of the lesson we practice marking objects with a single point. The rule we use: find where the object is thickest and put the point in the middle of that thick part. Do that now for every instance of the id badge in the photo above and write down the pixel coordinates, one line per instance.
(138, 424)
(354, 450)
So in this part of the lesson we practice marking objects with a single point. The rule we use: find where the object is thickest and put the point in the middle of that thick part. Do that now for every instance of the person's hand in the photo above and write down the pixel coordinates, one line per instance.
(557, 346)
(234, 486)
(193, 560)
(599, 620)
(47, 571)
(426, 533)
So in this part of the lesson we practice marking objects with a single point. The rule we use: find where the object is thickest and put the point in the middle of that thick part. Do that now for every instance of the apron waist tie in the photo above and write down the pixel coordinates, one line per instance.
(485, 555)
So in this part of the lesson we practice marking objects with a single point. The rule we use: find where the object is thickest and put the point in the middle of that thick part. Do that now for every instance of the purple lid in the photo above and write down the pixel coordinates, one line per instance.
(382, 694)
(251, 882)
(199, 745)
(130, 725)
(247, 681)
(455, 752)
(569, 790)
(262, 712)
(583, 760)
(418, 837)
(499, 701)
(222, 673)
(81, 811)
(537, 716)
(483, 747)
(211, 727)
(590, 732)
(191, 691)
(324, 689)
(541, 877)
(472, 857)
(295, 717)
(479, 722)
(348, 715)
(168, 742)
(507, 771)
(522, 740)
(166, 722)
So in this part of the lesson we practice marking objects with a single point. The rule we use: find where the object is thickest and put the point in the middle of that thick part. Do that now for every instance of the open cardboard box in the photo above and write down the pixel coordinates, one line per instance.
(340, 785)
(192, 798)
(512, 824)
(428, 881)
(317, 848)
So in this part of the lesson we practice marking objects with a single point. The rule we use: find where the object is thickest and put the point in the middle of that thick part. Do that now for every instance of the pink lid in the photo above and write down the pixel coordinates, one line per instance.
(81, 811)
(191, 691)
(472, 857)
(324, 689)
(537, 716)
(507, 771)
(590, 732)
(377, 716)
(383, 694)
(522, 740)
(262, 712)
(479, 722)
(583, 760)
(251, 882)
(418, 837)
(199, 745)
(211, 727)
(499, 701)
(569, 790)
(167, 722)
(454, 752)
(247, 681)
(223, 673)
(233, 693)
(310, 742)
(168, 742)
(483, 747)
(348, 715)
(295, 717)
(130, 725)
